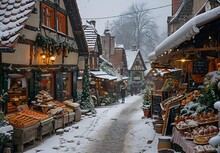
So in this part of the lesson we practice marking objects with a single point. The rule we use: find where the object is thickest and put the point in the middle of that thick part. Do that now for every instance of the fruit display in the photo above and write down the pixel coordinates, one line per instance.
(190, 97)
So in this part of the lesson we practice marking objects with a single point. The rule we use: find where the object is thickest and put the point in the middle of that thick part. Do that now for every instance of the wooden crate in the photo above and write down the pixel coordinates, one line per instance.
(46, 127)
(22, 136)
(71, 117)
(58, 123)
(65, 120)
(78, 114)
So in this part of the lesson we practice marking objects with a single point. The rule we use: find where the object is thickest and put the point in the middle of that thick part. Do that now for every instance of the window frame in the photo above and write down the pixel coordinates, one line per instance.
(61, 18)
(48, 21)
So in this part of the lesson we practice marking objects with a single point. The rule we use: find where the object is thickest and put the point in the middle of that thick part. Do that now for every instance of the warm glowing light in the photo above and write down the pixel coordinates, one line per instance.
(43, 56)
(52, 58)
(183, 60)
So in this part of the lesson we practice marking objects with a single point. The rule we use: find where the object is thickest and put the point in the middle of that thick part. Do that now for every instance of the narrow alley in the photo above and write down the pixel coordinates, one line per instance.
(117, 128)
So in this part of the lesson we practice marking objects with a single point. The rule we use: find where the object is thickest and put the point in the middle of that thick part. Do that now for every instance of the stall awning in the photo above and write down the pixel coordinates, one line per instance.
(103, 75)
(107, 77)
(186, 32)
(96, 73)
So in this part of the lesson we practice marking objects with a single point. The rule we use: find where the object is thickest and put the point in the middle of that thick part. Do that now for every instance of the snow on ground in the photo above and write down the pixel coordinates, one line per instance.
(81, 134)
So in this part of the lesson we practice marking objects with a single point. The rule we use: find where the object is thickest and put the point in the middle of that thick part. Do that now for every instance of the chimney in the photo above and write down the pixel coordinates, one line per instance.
(175, 5)
(134, 48)
(93, 22)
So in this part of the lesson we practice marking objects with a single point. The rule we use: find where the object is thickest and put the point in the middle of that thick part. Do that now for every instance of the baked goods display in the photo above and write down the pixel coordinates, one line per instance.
(199, 118)
(182, 126)
(37, 115)
(21, 120)
(206, 118)
(201, 139)
(204, 149)
(71, 104)
(43, 96)
(11, 107)
(202, 134)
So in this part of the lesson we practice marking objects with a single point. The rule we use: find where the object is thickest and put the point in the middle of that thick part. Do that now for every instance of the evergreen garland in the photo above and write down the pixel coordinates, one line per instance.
(50, 44)
(86, 97)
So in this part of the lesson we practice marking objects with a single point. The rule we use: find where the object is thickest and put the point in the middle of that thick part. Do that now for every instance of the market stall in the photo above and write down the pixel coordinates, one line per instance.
(194, 119)
(105, 87)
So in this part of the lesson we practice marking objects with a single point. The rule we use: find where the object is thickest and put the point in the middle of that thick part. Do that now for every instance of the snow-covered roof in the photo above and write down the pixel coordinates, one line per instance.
(97, 73)
(131, 56)
(13, 14)
(148, 66)
(104, 60)
(119, 46)
(90, 34)
(103, 75)
(107, 77)
(170, 70)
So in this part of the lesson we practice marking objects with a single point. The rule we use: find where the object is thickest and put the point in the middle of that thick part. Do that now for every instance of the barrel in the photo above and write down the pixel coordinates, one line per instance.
(158, 128)
(7, 150)
(166, 151)
(164, 142)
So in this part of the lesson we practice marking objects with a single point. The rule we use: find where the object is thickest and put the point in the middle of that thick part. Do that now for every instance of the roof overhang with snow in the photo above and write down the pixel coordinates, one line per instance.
(103, 75)
(184, 33)
(13, 15)
(107, 77)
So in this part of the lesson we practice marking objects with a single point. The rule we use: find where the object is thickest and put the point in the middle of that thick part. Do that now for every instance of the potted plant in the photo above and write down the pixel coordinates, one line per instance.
(146, 108)
(5, 138)
(146, 100)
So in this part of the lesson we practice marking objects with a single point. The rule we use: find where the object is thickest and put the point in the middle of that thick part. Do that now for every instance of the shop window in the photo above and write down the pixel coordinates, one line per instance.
(61, 22)
(17, 91)
(47, 16)
(67, 85)
(46, 83)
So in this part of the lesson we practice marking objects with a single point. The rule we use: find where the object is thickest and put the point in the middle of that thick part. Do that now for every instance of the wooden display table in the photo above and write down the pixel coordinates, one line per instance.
(22, 136)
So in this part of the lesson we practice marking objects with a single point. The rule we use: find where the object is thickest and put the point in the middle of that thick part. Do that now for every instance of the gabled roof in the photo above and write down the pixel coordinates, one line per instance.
(76, 23)
(13, 14)
(91, 35)
(130, 57)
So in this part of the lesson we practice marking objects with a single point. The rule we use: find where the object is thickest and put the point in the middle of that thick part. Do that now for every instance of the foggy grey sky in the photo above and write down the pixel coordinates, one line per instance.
(106, 8)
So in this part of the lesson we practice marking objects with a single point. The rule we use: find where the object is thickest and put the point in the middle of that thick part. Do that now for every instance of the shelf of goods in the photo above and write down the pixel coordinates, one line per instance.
(16, 98)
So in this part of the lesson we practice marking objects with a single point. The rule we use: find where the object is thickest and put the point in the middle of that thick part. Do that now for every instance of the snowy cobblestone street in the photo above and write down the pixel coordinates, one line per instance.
(117, 128)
